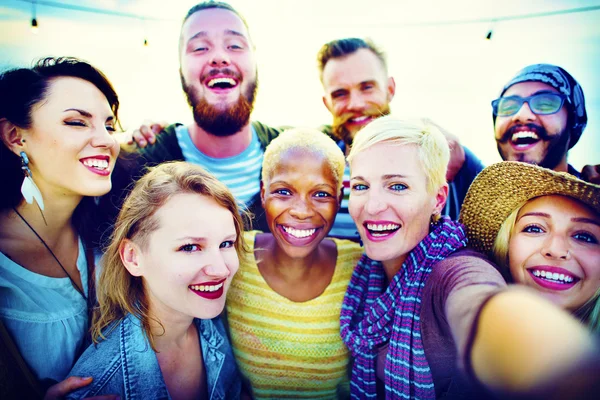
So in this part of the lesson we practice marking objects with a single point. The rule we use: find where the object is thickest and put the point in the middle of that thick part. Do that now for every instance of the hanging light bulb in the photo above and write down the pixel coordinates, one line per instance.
(489, 35)
(34, 23)
(145, 42)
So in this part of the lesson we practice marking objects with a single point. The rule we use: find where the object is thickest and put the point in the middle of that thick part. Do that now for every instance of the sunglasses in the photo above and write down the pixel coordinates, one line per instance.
(539, 104)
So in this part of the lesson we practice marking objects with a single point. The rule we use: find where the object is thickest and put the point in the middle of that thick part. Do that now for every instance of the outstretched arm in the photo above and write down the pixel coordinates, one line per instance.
(523, 342)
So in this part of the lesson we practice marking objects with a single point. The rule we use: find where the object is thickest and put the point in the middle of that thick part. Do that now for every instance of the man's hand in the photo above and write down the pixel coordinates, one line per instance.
(141, 137)
(457, 153)
(72, 383)
(591, 173)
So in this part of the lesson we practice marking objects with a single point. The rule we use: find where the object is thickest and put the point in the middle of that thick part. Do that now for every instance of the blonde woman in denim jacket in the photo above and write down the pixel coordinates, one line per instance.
(175, 248)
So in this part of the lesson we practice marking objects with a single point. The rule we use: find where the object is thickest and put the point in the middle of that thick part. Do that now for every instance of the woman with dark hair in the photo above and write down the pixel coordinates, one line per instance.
(57, 154)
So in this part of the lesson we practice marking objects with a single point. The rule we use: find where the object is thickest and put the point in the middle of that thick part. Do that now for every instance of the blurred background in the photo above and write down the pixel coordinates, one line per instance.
(449, 58)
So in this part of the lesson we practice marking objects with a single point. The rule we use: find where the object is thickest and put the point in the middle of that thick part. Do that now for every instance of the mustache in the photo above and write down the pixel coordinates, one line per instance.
(222, 71)
(375, 112)
(538, 130)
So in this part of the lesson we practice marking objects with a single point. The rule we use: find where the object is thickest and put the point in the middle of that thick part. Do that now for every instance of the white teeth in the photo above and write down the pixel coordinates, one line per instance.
(215, 81)
(382, 227)
(206, 288)
(360, 119)
(553, 276)
(95, 163)
(524, 135)
(299, 233)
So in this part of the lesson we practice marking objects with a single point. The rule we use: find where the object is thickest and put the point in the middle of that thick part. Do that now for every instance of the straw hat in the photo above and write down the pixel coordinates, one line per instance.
(503, 187)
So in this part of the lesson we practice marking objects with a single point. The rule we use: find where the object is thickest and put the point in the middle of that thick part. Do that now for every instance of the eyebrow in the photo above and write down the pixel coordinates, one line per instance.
(82, 112)
(534, 214)
(88, 115)
(586, 221)
(192, 238)
(227, 32)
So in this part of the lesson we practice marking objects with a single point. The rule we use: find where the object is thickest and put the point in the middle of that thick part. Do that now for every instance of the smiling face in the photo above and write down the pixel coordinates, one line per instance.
(389, 201)
(555, 249)
(531, 138)
(188, 262)
(301, 200)
(70, 145)
(357, 90)
(218, 70)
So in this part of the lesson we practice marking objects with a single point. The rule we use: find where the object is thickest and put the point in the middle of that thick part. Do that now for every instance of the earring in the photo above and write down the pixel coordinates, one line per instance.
(29, 189)
(433, 220)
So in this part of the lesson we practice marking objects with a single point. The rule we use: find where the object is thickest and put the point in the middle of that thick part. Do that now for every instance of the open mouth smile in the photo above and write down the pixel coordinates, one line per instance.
(523, 140)
(97, 164)
(383, 230)
(221, 83)
(298, 237)
(208, 290)
(553, 278)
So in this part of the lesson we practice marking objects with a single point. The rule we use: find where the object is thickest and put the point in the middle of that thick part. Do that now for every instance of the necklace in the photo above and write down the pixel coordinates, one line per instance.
(54, 256)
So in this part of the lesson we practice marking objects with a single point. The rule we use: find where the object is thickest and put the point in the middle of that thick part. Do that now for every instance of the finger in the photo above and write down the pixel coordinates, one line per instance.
(63, 388)
(139, 138)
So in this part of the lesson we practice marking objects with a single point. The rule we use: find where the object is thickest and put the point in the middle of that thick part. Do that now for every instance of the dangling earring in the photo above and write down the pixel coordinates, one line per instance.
(29, 189)
(433, 220)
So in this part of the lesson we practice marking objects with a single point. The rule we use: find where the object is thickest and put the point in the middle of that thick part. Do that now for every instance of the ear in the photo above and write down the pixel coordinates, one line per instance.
(341, 197)
(391, 88)
(130, 256)
(262, 194)
(326, 103)
(440, 199)
(12, 136)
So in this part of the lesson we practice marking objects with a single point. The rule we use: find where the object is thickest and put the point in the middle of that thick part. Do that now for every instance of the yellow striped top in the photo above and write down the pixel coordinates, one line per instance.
(288, 349)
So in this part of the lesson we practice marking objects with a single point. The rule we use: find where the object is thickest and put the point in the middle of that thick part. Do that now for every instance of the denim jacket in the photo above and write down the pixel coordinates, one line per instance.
(124, 364)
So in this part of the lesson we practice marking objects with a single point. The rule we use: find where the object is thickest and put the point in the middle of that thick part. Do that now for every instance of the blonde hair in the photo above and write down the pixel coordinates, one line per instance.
(589, 313)
(120, 293)
(432, 146)
(307, 140)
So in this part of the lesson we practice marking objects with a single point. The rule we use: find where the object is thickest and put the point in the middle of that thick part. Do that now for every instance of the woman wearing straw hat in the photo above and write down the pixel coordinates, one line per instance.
(542, 228)
(423, 316)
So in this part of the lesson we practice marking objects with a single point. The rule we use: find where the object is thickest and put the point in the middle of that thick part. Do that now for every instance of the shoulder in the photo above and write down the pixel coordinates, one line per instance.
(348, 250)
(101, 361)
(166, 147)
(265, 133)
(465, 264)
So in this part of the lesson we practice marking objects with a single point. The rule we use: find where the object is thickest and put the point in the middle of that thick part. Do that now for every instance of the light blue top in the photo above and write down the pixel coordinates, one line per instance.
(45, 316)
(241, 173)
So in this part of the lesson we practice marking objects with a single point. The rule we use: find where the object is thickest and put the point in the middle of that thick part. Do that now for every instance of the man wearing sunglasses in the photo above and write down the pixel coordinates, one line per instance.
(539, 116)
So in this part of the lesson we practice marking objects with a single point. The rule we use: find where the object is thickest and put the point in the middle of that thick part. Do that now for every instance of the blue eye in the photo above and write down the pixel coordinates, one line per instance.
(359, 187)
(585, 237)
(283, 192)
(398, 187)
(323, 194)
(533, 229)
(189, 248)
(226, 244)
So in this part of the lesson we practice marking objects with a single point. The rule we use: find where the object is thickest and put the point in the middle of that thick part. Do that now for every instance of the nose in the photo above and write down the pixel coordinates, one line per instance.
(219, 57)
(375, 204)
(524, 114)
(301, 209)
(103, 138)
(356, 102)
(556, 247)
(216, 266)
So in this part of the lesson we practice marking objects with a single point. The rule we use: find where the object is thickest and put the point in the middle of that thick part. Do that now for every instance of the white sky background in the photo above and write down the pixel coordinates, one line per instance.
(447, 72)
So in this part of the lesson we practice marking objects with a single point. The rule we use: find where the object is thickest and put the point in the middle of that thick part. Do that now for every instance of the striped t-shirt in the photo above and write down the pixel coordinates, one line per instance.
(287, 349)
(241, 173)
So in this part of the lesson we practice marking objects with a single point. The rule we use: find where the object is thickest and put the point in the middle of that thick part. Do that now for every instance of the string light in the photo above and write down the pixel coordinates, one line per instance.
(489, 35)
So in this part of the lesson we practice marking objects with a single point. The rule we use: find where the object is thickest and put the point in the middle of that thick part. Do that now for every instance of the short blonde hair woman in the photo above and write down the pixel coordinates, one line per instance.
(421, 310)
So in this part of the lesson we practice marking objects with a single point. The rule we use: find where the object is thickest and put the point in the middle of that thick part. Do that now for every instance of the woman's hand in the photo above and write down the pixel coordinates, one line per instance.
(72, 383)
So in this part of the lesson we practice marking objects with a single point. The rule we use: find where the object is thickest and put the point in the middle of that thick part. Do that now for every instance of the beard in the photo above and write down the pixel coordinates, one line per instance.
(218, 121)
(558, 146)
(341, 132)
